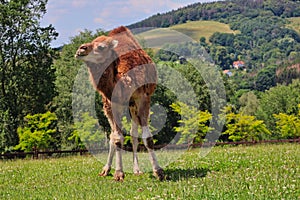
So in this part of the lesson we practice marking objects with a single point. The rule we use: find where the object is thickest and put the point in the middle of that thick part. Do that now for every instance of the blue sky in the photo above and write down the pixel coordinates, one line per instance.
(69, 17)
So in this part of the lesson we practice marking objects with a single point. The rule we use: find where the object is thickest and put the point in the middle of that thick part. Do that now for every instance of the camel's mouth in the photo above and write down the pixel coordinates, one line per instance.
(80, 54)
(96, 52)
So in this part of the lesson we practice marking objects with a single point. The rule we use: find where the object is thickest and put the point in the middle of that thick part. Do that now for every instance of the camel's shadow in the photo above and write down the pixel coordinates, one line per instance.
(184, 174)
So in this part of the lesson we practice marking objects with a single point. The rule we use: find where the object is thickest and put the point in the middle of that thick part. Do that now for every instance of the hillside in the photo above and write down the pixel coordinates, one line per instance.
(286, 74)
(157, 38)
(226, 11)
(198, 29)
(190, 31)
(295, 24)
(262, 33)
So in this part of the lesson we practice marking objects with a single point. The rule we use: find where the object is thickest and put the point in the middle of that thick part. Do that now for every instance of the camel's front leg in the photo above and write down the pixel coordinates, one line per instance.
(106, 169)
(108, 112)
(115, 146)
(118, 140)
(115, 143)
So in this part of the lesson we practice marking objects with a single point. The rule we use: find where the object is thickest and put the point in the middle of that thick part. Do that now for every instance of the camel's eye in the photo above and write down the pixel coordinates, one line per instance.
(101, 47)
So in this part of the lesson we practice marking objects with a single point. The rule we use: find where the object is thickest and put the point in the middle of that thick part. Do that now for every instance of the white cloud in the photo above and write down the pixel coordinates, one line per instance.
(150, 6)
(81, 3)
(114, 13)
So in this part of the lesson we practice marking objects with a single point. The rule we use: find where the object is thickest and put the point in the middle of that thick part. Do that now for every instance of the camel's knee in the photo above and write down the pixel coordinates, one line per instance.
(117, 139)
(147, 138)
(135, 140)
(148, 142)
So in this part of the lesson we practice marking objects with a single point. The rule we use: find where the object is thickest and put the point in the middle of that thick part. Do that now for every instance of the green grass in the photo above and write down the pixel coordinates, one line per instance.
(189, 31)
(295, 24)
(253, 172)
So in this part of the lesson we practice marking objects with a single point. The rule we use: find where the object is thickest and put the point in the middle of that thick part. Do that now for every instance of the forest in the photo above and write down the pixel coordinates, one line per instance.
(261, 99)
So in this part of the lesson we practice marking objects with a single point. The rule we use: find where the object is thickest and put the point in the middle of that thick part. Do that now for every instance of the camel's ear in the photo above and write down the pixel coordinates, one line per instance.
(114, 43)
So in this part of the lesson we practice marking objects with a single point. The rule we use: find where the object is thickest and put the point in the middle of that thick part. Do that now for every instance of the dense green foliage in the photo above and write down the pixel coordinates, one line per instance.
(26, 72)
(87, 132)
(225, 10)
(67, 68)
(39, 132)
(244, 172)
(288, 125)
(279, 99)
(241, 127)
(263, 94)
(193, 124)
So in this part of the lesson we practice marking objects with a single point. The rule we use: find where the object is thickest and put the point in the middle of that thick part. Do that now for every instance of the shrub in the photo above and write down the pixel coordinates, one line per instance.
(193, 123)
(244, 127)
(39, 131)
(288, 126)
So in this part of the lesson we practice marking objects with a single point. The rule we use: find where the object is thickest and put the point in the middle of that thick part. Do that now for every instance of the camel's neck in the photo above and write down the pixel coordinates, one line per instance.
(102, 75)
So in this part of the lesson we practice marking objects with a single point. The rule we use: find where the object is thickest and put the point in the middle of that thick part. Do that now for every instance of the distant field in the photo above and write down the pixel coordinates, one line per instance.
(243, 172)
(295, 24)
(189, 31)
(157, 38)
(197, 29)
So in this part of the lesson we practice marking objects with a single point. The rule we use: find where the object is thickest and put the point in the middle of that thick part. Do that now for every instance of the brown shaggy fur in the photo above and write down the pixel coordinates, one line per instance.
(126, 77)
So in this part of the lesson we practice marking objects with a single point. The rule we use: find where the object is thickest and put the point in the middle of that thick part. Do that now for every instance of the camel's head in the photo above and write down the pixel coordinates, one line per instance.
(98, 51)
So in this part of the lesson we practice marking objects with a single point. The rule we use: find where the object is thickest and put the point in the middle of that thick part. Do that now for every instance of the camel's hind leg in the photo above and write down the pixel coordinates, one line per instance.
(108, 112)
(143, 116)
(134, 137)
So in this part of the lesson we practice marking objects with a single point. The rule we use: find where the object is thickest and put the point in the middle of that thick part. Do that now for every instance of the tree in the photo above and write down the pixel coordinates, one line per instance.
(279, 99)
(202, 41)
(249, 103)
(87, 132)
(223, 39)
(5, 138)
(193, 123)
(67, 68)
(288, 126)
(276, 7)
(244, 127)
(26, 74)
(221, 56)
(287, 73)
(39, 131)
(265, 79)
(164, 97)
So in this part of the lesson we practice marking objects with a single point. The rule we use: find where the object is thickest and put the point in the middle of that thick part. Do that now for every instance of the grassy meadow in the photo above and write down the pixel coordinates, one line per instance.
(295, 24)
(243, 172)
(197, 29)
(189, 31)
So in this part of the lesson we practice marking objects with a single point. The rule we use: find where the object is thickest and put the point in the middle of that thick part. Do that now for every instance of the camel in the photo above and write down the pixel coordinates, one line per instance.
(125, 76)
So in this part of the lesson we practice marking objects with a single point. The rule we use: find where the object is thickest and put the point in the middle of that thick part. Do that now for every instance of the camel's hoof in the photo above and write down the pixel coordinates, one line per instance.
(119, 175)
(137, 172)
(159, 174)
(105, 171)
